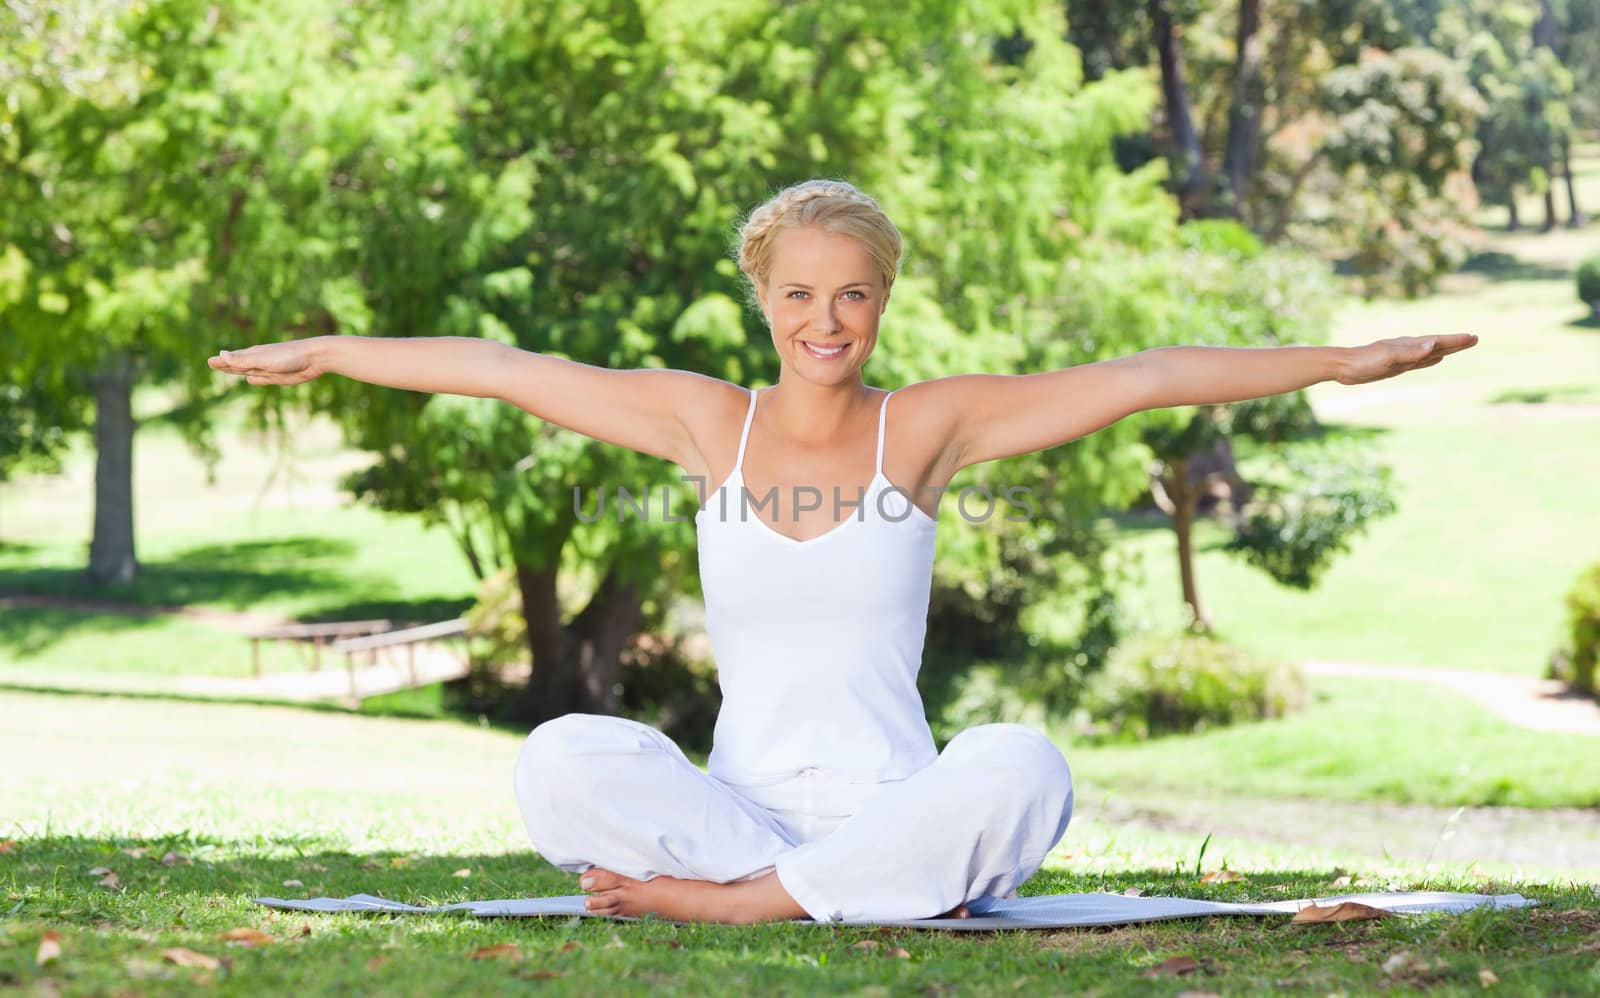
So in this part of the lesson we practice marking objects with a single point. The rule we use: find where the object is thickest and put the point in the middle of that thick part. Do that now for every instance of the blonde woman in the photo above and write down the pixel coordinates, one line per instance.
(825, 796)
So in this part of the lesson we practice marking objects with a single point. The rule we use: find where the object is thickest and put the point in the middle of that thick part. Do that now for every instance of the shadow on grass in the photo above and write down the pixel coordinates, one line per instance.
(26, 632)
(421, 611)
(1587, 322)
(1498, 266)
(229, 575)
(1553, 393)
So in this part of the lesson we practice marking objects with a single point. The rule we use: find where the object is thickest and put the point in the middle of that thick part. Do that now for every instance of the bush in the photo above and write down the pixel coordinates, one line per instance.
(1589, 284)
(1575, 663)
(1157, 685)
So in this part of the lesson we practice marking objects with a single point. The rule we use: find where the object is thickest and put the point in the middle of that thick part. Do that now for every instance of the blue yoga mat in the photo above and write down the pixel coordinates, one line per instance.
(1045, 911)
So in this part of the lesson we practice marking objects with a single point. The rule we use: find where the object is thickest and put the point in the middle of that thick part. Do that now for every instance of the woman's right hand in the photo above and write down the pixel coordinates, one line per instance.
(290, 363)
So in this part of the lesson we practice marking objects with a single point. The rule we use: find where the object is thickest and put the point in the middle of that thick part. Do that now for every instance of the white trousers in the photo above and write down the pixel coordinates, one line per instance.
(970, 827)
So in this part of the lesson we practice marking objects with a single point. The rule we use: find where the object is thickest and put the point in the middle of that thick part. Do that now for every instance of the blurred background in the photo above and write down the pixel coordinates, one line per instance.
(1345, 593)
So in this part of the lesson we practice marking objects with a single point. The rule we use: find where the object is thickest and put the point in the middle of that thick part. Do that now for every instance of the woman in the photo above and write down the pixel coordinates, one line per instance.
(824, 796)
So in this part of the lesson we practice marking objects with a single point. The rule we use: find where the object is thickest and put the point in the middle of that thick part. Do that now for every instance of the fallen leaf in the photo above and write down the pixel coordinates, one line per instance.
(1396, 963)
(1344, 911)
(293, 883)
(305, 930)
(49, 948)
(247, 937)
(616, 942)
(1344, 881)
(189, 958)
(1133, 892)
(175, 859)
(376, 962)
(399, 861)
(1221, 877)
(9, 845)
(138, 852)
(319, 867)
(1487, 978)
(109, 880)
(569, 947)
(900, 953)
(462, 873)
(499, 951)
(1173, 966)
(99, 871)
(866, 944)
(540, 975)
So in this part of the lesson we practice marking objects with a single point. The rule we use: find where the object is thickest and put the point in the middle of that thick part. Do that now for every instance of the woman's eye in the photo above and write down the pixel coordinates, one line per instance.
(858, 295)
(797, 294)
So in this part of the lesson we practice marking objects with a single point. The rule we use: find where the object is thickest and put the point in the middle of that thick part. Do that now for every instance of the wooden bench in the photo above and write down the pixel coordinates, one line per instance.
(405, 637)
(316, 635)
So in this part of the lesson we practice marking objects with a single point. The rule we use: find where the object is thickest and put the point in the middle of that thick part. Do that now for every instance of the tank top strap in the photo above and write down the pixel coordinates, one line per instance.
(883, 411)
(744, 435)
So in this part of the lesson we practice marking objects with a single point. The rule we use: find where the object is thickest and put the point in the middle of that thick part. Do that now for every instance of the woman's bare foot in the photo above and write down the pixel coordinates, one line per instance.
(741, 903)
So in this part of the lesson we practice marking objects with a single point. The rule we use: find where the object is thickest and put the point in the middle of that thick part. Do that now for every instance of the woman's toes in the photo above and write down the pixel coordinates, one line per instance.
(598, 879)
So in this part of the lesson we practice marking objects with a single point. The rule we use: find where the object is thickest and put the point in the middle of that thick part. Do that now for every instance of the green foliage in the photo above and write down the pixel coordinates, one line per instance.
(1589, 283)
(1156, 685)
(1577, 661)
(1401, 133)
(1307, 509)
(1222, 236)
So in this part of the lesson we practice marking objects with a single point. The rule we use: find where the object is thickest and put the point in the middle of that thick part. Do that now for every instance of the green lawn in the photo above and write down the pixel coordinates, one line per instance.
(255, 796)
(1497, 461)
(1366, 740)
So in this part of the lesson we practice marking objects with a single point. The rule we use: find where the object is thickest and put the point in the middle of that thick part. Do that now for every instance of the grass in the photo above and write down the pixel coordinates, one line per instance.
(1494, 456)
(1345, 746)
(255, 796)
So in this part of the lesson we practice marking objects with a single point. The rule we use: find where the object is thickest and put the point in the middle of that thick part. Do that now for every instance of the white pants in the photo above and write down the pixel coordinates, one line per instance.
(970, 827)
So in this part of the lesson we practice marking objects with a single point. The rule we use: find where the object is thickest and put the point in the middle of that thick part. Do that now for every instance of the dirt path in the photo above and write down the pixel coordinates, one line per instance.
(1526, 701)
(1553, 839)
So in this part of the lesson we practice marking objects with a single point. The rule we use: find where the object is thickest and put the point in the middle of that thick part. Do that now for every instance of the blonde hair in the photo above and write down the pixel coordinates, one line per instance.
(833, 206)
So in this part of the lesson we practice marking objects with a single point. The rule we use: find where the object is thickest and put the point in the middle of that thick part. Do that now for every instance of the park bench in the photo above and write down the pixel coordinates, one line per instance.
(410, 639)
(314, 635)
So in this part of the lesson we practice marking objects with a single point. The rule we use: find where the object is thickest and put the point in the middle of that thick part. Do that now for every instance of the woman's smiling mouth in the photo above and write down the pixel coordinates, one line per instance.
(822, 353)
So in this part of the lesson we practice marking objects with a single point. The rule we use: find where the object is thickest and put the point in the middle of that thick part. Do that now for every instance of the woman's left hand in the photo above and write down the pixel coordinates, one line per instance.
(1387, 358)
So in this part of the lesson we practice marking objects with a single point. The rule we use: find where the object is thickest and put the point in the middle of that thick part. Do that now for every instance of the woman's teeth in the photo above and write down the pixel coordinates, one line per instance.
(819, 352)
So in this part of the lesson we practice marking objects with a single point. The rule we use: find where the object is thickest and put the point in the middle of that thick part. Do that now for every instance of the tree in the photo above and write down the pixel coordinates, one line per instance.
(134, 152)
(577, 199)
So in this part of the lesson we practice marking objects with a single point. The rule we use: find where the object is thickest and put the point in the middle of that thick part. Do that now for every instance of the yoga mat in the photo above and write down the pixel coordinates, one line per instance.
(1044, 911)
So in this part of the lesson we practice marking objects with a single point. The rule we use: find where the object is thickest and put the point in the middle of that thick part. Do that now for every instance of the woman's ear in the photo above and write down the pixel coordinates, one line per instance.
(761, 299)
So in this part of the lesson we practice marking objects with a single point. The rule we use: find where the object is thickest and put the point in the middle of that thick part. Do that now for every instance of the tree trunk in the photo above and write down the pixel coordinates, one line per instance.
(1178, 497)
(111, 551)
(1244, 115)
(1544, 29)
(576, 667)
(1175, 92)
(1549, 202)
(1183, 522)
(1515, 221)
(1574, 216)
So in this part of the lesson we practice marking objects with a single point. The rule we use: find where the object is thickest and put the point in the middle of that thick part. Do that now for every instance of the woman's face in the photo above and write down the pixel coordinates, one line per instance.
(822, 299)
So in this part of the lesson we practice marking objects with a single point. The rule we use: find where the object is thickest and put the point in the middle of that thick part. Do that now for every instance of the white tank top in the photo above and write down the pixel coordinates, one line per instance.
(817, 642)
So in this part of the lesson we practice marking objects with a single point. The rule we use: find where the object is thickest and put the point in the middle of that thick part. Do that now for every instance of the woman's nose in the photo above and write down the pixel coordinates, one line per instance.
(827, 318)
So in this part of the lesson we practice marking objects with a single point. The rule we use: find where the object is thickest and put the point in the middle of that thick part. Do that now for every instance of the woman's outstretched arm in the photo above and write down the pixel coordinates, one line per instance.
(998, 415)
(647, 409)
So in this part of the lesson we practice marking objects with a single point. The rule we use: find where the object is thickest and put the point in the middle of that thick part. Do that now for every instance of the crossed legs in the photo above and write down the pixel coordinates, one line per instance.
(618, 802)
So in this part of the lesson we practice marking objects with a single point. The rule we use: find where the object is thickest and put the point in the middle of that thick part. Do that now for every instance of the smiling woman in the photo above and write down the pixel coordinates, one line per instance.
(824, 794)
